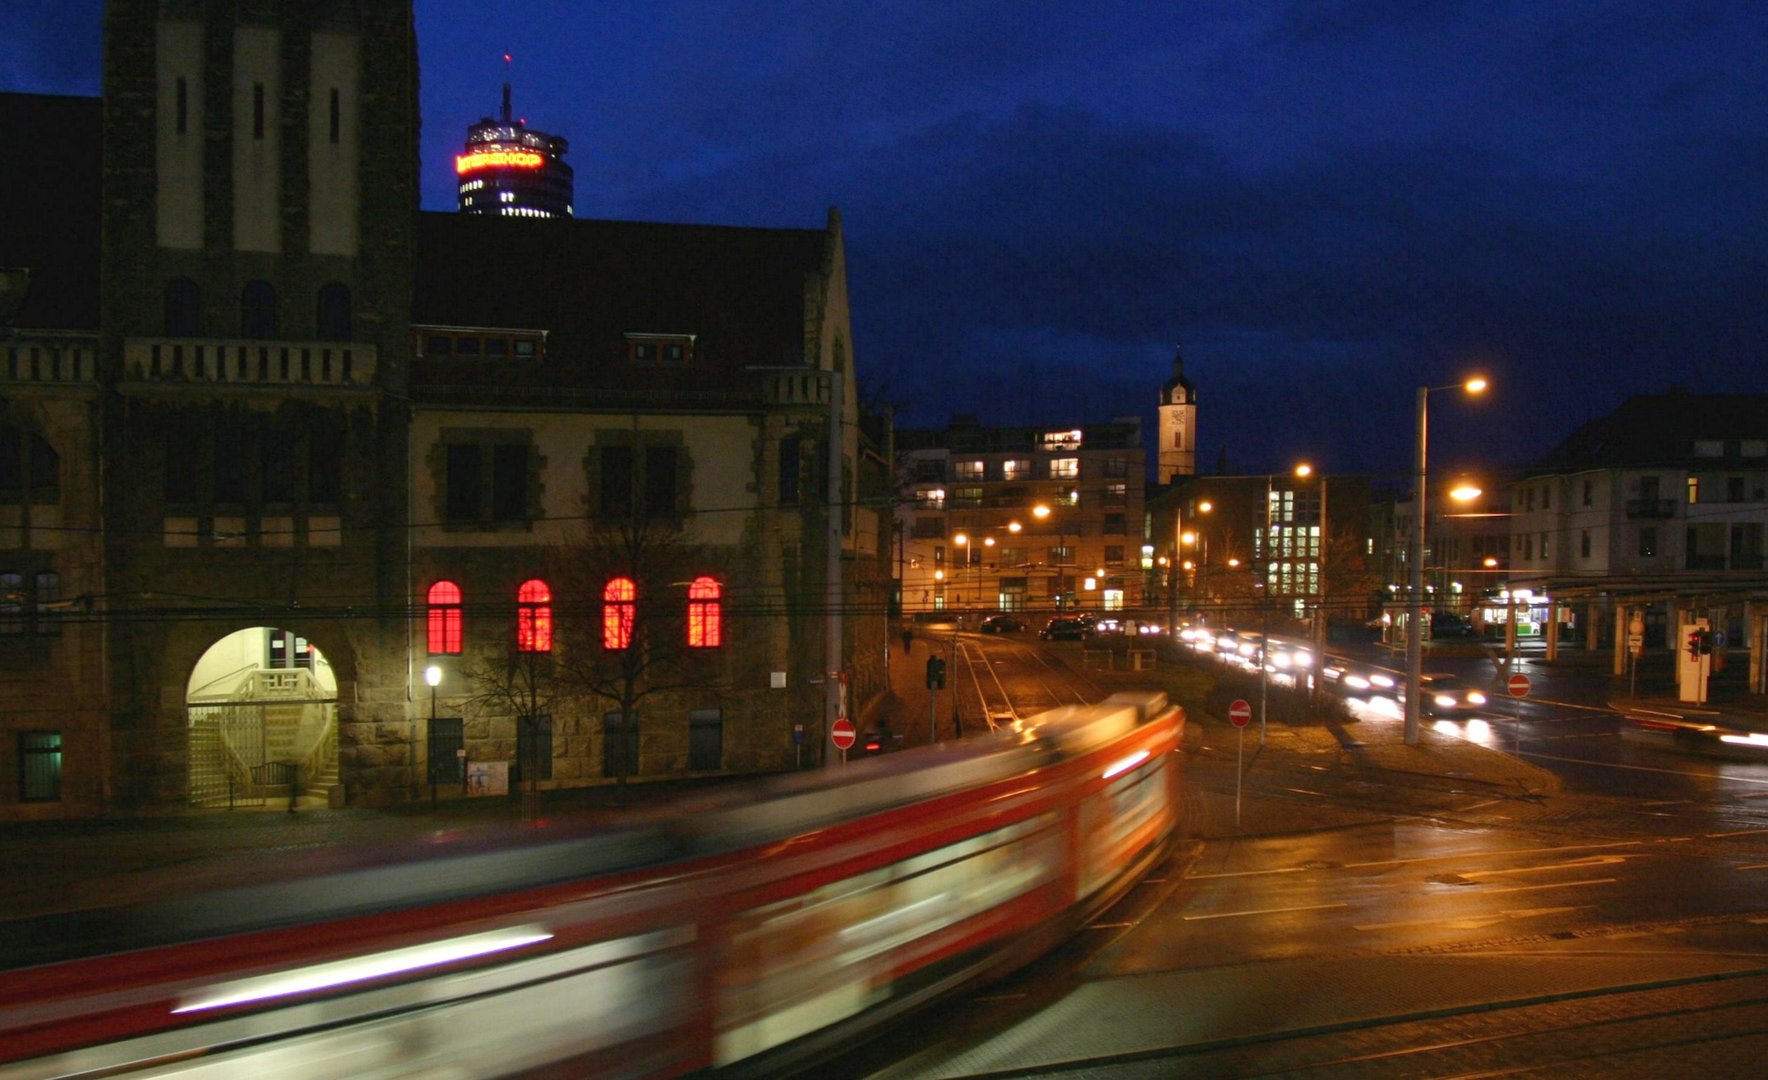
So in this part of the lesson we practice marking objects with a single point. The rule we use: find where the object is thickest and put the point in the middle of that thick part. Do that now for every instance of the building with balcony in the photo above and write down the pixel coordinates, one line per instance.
(1020, 518)
(1659, 507)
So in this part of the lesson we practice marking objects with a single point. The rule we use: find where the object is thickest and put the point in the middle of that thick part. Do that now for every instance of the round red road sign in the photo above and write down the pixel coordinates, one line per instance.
(1518, 685)
(1240, 713)
(841, 733)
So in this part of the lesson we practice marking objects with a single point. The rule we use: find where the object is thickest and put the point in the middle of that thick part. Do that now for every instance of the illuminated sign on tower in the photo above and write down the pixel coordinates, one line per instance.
(511, 170)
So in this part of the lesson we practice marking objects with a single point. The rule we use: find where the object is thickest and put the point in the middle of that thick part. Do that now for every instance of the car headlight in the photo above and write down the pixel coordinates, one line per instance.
(1476, 698)
(1445, 701)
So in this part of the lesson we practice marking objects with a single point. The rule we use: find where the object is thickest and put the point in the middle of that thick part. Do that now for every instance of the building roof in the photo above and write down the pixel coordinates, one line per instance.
(742, 293)
(1662, 429)
(49, 207)
(966, 434)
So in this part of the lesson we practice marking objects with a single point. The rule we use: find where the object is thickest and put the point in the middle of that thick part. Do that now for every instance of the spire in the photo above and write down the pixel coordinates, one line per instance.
(1178, 389)
(506, 88)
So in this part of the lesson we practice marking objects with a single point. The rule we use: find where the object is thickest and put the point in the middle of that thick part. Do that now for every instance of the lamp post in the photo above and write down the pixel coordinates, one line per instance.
(1042, 512)
(1177, 562)
(961, 540)
(1415, 556)
(1305, 470)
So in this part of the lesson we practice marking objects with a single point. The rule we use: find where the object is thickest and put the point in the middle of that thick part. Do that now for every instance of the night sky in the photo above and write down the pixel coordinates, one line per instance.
(1327, 204)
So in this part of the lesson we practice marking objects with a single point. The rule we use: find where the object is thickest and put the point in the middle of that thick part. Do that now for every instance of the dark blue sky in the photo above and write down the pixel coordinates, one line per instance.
(1328, 204)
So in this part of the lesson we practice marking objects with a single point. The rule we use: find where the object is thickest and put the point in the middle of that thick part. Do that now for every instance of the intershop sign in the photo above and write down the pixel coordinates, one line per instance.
(491, 159)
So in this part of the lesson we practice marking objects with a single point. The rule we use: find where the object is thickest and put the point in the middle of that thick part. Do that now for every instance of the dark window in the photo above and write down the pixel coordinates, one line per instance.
(325, 467)
(497, 348)
(1734, 489)
(184, 469)
(43, 465)
(181, 108)
(1113, 554)
(660, 481)
(643, 352)
(464, 483)
(447, 738)
(257, 110)
(39, 766)
(334, 313)
(509, 482)
(276, 466)
(1648, 541)
(48, 602)
(230, 466)
(337, 114)
(534, 747)
(12, 466)
(183, 308)
(791, 454)
(438, 345)
(616, 481)
(1114, 525)
(619, 745)
(705, 740)
(1116, 467)
(257, 311)
(1589, 492)
(466, 345)
(1584, 544)
(12, 602)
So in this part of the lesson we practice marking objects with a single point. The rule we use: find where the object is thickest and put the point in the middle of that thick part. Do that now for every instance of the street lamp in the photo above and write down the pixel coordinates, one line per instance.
(962, 540)
(1043, 512)
(433, 676)
(1180, 539)
(1415, 598)
(1305, 470)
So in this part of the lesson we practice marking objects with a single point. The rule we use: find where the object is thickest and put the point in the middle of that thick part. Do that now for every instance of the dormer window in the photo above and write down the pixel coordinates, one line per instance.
(665, 350)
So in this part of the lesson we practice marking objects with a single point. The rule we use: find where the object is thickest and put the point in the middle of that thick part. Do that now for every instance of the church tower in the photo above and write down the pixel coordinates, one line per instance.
(1178, 424)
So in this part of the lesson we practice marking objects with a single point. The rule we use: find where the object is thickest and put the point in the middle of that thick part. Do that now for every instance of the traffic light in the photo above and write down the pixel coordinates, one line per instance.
(1706, 642)
(1694, 649)
(935, 673)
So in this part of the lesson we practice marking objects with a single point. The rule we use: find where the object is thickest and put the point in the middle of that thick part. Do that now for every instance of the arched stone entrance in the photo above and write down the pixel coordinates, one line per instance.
(263, 722)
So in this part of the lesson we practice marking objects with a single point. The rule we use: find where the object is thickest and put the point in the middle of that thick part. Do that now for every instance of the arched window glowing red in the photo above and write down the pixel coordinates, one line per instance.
(444, 619)
(705, 614)
(534, 623)
(619, 609)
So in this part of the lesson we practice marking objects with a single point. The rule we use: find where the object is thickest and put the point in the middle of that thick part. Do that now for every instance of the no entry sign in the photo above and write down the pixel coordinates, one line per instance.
(841, 733)
(1240, 713)
(1518, 685)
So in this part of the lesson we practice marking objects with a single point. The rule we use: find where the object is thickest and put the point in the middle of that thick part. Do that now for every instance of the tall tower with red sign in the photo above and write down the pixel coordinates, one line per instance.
(510, 169)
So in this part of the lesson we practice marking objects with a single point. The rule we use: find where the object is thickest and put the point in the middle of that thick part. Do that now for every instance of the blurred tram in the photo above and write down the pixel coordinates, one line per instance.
(755, 931)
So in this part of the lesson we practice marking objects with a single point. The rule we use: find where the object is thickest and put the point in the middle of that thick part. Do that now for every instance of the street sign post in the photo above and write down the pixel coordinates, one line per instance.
(841, 733)
(1518, 685)
(1240, 715)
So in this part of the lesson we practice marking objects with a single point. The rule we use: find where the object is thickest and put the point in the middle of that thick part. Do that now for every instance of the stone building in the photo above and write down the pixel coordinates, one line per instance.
(227, 501)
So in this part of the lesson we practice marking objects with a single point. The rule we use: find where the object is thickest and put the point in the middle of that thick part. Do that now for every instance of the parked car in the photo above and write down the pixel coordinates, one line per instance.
(1065, 628)
(1002, 624)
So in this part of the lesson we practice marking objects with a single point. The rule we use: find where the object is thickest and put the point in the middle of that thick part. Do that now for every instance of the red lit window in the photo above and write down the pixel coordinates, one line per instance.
(705, 614)
(619, 604)
(444, 618)
(534, 625)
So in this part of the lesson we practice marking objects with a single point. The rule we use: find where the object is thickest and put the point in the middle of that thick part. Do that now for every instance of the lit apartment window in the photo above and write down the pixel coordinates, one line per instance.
(444, 629)
(619, 613)
(1015, 469)
(534, 625)
(705, 614)
(1693, 490)
(967, 470)
(1066, 468)
(1061, 440)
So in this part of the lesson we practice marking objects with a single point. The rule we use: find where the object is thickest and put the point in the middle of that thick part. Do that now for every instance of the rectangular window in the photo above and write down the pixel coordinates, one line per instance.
(1693, 490)
(509, 482)
(1709, 448)
(1114, 525)
(660, 482)
(184, 469)
(616, 481)
(463, 478)
(39, 766)
(967, 496)
(1544, 544)
(791, 455)
(1061, 555)
(1116, 467)
(230, 466)
(1546, 496)
(446, 739)
(1648, 541)
(47, 598)
(181, 110)
(705, 740)
(1066, 468)
(1061, 440)
(967, 470)
(276, 466)
(325, 468)
(257, 110)
(12, 602)
(1113, 554)
(337, 115)
(1734, 489)
(437, 345)
(1012, 556)
(1015, 469)
(534, 747)
(1117, 494)
(1589, 493)
(1584, 544)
